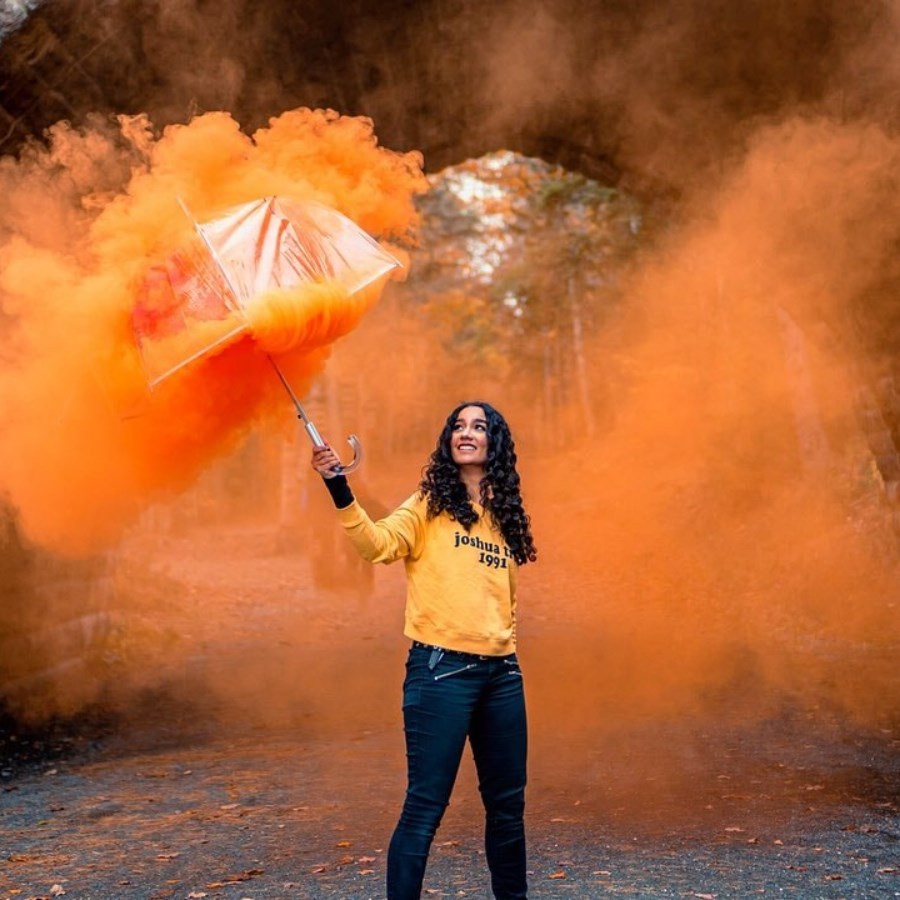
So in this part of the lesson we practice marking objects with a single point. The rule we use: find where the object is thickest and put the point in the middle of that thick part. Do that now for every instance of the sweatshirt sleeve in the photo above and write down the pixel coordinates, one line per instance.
(394, 537)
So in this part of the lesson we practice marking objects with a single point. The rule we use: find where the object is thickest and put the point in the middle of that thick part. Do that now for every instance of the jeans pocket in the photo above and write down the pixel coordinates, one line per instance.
(412, 688)
(456, 670)
(512, 667)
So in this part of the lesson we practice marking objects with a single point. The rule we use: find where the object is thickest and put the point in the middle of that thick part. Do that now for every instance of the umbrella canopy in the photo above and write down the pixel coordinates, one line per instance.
(198, 300)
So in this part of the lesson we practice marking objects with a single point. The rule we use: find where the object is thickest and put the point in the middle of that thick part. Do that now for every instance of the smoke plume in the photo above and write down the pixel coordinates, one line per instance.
(84, 447)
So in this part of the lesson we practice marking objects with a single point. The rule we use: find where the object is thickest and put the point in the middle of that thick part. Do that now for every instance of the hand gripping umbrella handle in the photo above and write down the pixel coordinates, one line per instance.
(316, 438)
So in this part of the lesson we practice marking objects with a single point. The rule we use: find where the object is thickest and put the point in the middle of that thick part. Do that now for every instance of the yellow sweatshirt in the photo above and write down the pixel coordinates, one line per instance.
(461, 586)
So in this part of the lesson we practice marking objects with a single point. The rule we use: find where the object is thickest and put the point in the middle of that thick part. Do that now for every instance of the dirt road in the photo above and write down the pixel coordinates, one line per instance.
(265, 762)
(291, 816)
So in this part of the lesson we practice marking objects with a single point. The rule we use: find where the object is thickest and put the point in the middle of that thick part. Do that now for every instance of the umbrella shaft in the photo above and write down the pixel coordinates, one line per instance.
(311, 429)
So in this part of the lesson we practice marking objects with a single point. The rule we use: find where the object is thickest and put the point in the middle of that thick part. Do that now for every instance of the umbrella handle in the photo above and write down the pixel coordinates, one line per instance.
(352, 440)
(353, 465)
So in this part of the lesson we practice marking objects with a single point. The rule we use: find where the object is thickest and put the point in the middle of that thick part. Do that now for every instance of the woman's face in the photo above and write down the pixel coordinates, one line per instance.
(469, 439)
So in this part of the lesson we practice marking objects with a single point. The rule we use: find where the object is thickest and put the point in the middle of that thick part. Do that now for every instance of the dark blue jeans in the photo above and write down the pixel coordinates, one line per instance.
(448, 697)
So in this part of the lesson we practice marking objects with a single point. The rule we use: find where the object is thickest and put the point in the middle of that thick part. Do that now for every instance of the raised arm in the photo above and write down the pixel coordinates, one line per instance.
(387, 540)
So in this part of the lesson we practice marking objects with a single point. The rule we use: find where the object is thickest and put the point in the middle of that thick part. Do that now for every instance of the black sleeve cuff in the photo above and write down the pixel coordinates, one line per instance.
(339, 488)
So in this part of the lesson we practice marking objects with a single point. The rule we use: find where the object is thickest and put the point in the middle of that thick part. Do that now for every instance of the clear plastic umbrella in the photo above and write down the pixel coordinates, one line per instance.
(200, 299)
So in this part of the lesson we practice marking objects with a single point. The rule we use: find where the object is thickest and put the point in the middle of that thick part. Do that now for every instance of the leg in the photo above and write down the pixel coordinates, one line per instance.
(500, 747)
(436, 720)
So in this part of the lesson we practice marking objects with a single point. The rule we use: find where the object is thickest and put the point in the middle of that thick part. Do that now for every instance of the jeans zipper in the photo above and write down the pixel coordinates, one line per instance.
(455, 671)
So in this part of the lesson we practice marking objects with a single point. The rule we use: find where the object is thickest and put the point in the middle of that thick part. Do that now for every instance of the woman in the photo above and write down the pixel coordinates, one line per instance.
(462, 536)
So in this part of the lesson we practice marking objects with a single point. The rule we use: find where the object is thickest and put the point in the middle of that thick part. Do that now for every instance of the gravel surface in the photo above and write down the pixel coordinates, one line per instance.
(176, 807)
(215, 780)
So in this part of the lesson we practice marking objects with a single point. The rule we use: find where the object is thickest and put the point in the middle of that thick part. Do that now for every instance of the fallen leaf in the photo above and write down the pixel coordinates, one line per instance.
(242, 876)
(601, 872)
(196, 895)
(834, 877)
(366, 872)
(234, 879)
(559, 874)
(343, 844)
(734, 828)
(888, 870)
(172, 855)
(345, 860)
(57, 890)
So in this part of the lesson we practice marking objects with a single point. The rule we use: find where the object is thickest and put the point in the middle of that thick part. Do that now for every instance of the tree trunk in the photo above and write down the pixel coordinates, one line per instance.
(582, 380)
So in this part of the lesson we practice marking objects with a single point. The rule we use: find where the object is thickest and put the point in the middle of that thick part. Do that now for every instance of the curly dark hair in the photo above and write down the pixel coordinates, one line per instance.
(500, 492)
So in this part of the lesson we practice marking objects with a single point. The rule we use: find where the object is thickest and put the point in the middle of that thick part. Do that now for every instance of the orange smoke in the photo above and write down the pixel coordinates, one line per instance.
(723, 551)
(84, 222)
(280, 320)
